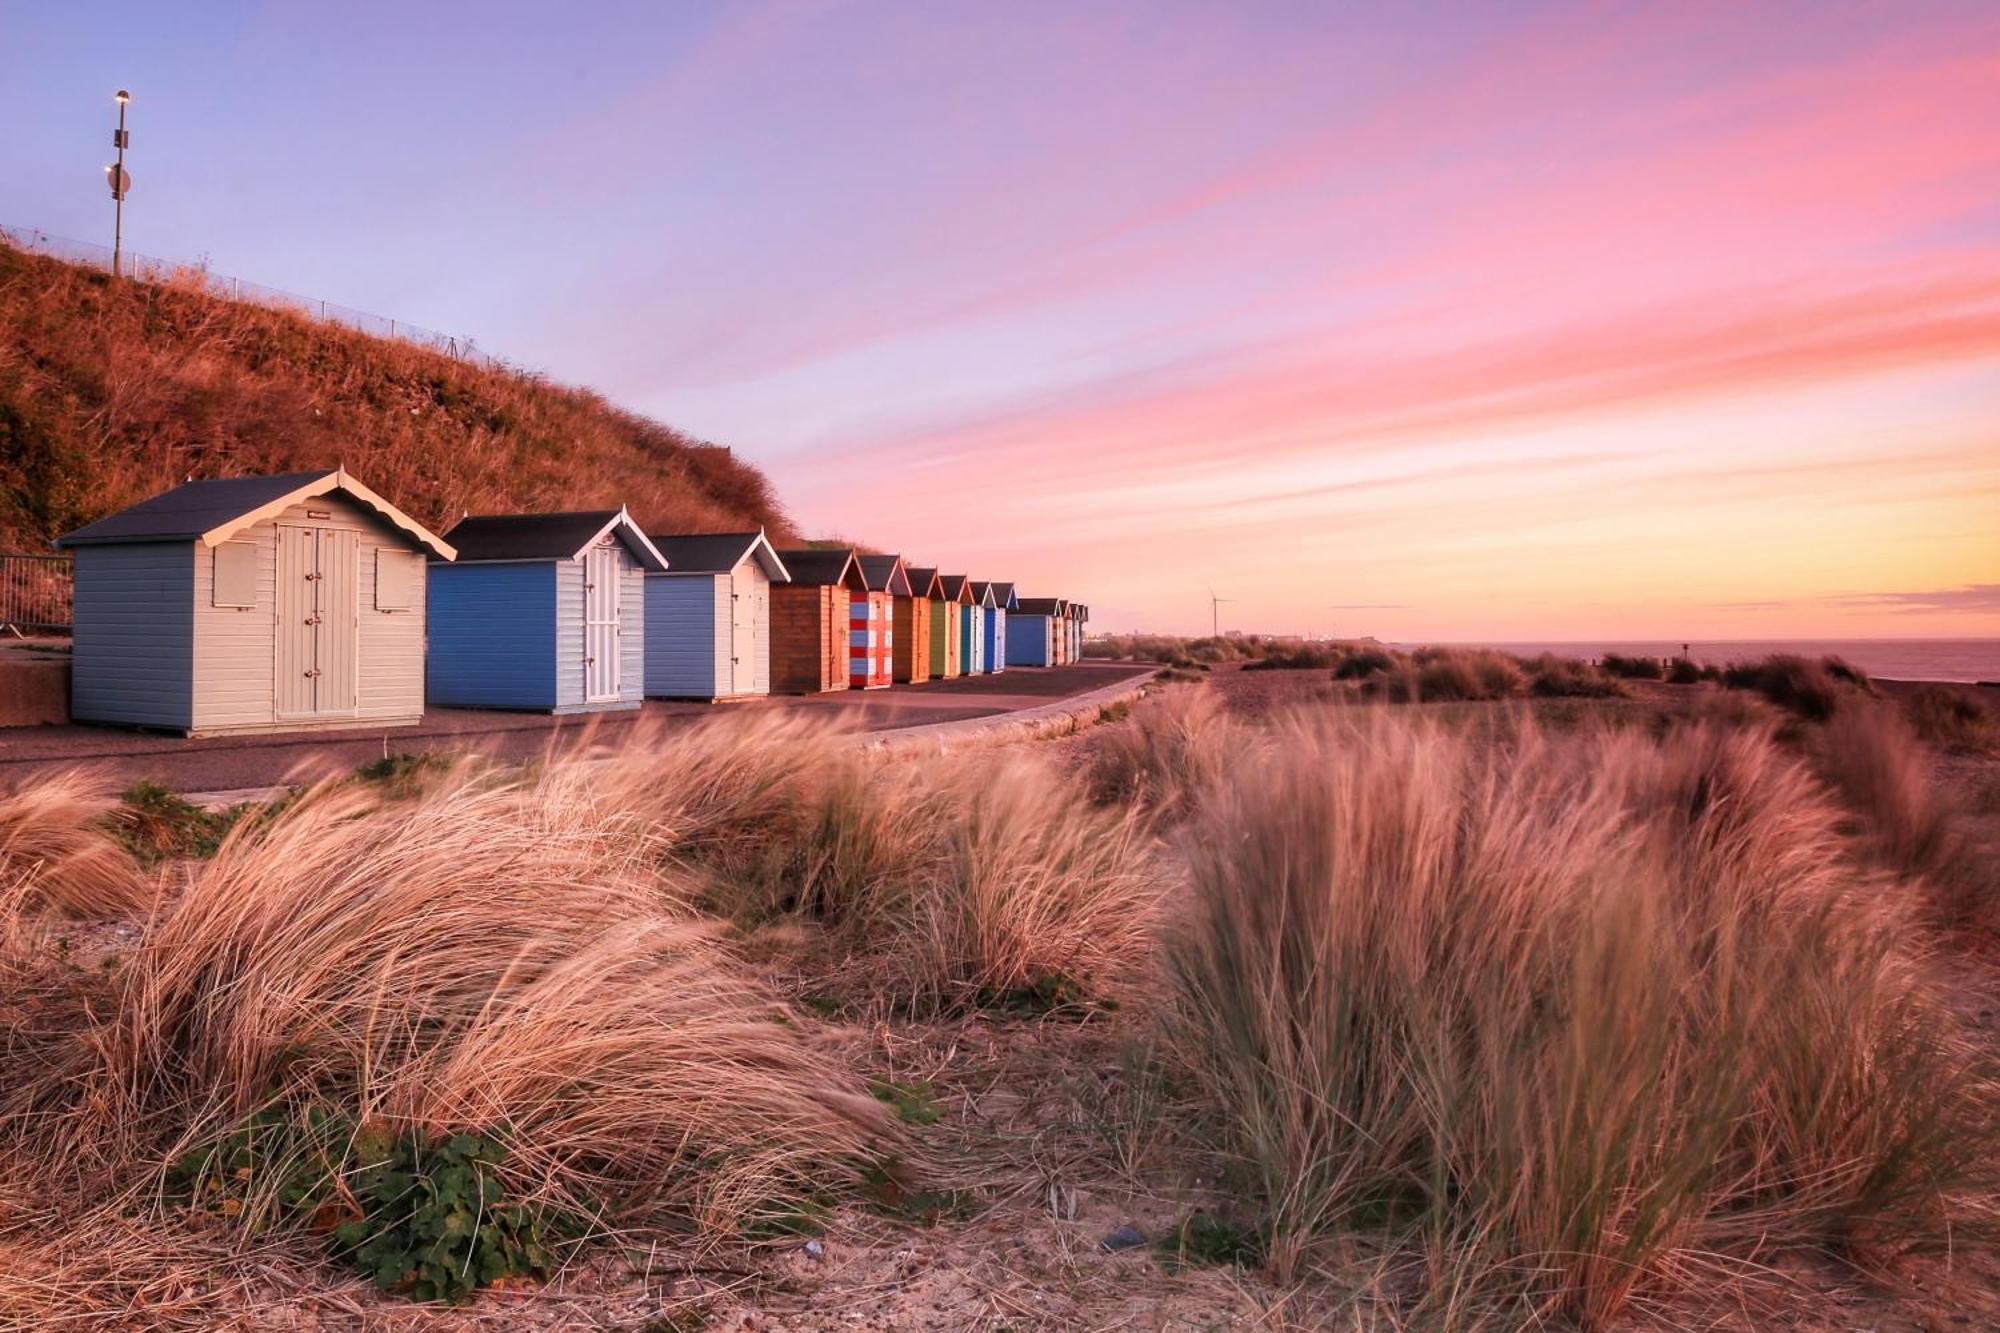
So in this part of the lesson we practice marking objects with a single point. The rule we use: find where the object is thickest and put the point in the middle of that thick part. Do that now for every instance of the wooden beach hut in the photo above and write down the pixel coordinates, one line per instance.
(948, 626)
(545, 613)
(971, 634)
(1031, 632)
(1079, 615)
(708, 616)
(871, 622)
(913, 626)
(999, 600)
(809, 619)
(252, 604)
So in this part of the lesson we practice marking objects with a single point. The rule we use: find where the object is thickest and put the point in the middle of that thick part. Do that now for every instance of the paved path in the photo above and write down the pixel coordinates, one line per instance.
(232, 763)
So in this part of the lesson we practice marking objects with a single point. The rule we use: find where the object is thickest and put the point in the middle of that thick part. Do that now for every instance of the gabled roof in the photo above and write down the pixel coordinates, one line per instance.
(822, 566)
(885, 573)
(550, 536)
(1040, 606)
(719, 552)
(211, 512)
(925, 583)
(1004, 593)
(983, 595)
(955, 588)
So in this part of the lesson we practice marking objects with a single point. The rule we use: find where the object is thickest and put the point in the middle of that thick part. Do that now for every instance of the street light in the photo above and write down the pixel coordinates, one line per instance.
(120, 181)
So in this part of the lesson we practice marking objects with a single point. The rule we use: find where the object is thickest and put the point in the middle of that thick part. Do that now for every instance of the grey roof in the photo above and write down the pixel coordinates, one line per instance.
(212, 510)
(548, 536)
(885, 573)
(1004, 594)
(1041, 606)
(705, 552)
(822, 565)
(954, 587)
(924, 582)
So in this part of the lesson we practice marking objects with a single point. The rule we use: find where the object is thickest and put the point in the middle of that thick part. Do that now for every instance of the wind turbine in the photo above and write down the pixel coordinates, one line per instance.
(1215, 613)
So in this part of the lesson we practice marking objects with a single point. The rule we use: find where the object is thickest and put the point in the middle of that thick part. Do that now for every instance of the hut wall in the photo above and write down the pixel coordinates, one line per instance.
(684, 649)
(569, 626)
(913, 646)
(132, 658)
(870, 641)
(493, 634)
(808, 638)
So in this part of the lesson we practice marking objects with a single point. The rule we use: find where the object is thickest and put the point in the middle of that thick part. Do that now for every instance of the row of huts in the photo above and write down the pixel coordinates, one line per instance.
(307, 601)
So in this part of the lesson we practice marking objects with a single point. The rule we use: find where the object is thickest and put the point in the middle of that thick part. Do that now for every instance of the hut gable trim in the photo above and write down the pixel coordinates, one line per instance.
(983, 595)
(211, 512)
(925, 583)
(956, 588)
(1004, 592)
(561, 536)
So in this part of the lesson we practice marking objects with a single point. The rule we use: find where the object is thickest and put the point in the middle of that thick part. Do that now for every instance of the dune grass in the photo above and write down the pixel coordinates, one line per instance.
(1563, 1016)
(55, 855)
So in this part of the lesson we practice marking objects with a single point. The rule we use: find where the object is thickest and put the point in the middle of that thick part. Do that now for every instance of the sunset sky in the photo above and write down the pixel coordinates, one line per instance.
(1500, 321)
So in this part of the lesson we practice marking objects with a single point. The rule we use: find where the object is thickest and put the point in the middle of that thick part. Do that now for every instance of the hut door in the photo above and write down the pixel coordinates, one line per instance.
(318, 622)
(742, 632)
(600, 623)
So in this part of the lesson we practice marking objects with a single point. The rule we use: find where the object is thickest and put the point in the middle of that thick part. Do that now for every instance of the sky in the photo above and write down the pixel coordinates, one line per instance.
(1510, 322)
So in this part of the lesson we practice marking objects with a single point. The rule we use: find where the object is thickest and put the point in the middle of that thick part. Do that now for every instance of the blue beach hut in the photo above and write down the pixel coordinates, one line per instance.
(542, 612)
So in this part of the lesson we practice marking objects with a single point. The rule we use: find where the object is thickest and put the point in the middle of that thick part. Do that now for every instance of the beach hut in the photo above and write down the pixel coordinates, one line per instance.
(252, 604)
(708, 617)
(1079, 614)
(913, 626)
(545, 613)
(948, 626)
(1061, 628)
(871, 622)
(971, 634)
(809, 619)
(1031, 632)
(999, 600)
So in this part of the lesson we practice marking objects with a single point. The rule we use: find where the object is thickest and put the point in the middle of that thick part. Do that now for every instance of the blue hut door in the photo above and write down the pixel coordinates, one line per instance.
(318, 622)
(600, 623)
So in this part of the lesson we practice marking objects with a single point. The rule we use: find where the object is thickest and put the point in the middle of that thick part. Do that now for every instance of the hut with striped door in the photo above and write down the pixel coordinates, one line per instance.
(948, 626)
(252, 604)
(913, 616)
(542, 612)
(708, 616)
(871, 622)
(810, 653)
(1031, 631)
(994, 598)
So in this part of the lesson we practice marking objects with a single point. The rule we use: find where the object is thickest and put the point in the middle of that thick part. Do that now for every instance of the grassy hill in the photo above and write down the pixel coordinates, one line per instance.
(112, 391)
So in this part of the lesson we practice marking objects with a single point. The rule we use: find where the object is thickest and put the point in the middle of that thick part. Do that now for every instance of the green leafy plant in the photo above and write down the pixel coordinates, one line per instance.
(427, 1219)
(913, 1101)
(1205, 1239)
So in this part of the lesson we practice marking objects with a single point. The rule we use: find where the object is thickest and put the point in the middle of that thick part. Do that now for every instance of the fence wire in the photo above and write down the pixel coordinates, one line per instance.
(36, 593)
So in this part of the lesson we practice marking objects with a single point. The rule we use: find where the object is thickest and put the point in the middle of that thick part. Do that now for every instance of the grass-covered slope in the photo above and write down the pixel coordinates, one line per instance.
(111, 391)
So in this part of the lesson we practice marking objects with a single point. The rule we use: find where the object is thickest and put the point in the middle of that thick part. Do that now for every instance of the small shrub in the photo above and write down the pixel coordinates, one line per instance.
(1174, 746)
(1952, 719)
(1552, 677)
(1363, 663)
(1685, 672)
(1633, 668)
(1810, 688)
(160, 824)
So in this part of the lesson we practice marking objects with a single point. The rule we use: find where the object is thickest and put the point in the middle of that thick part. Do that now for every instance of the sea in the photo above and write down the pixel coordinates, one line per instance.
(1892, 659)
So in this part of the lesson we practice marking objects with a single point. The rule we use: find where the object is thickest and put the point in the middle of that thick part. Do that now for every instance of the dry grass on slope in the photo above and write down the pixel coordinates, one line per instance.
(55, 855)
(1570, 1020)
(113, 391)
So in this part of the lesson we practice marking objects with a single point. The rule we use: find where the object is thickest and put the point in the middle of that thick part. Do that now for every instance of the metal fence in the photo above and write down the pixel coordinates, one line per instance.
(145, 268)
(36, 593)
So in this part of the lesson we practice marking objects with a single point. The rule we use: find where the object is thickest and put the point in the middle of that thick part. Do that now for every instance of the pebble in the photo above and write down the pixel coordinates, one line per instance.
(1126, 1237)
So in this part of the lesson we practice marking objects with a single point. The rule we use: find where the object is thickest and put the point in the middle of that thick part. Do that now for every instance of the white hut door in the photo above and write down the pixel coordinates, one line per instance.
(742, 631)
(318, 622)
(600, 623)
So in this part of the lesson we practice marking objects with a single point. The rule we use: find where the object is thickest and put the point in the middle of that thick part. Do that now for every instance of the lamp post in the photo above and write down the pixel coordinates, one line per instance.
(121, 182)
